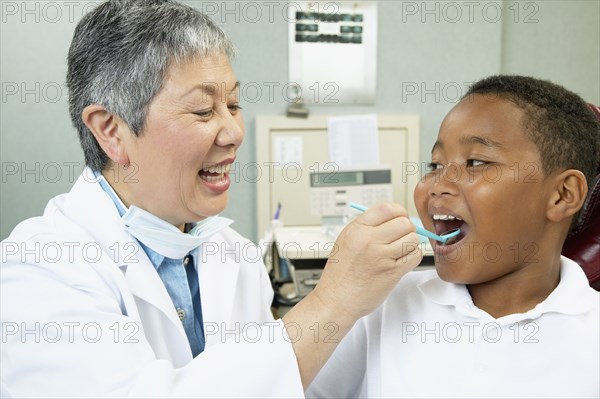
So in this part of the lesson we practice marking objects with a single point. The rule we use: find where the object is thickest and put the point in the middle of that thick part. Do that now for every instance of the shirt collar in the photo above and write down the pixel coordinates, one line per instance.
(111, 193)
(450, 294)
(573, 294)
(158, 259)
(567, 298)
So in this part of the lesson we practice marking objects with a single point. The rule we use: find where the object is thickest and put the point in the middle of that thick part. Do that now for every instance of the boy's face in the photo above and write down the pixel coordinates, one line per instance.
(486, 178)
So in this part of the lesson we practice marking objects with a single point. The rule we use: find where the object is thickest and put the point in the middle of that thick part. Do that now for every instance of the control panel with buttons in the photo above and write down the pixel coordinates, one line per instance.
(330, 192)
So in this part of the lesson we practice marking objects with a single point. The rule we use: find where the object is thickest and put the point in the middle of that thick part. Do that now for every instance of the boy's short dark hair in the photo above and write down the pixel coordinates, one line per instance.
(558, 121)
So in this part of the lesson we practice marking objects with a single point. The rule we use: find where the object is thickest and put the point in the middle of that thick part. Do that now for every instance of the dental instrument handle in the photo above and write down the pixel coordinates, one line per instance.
(429, 234)
(358, 207)
(420, 230)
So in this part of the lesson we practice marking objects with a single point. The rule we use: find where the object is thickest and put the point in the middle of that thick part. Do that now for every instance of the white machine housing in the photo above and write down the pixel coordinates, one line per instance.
(330, 192)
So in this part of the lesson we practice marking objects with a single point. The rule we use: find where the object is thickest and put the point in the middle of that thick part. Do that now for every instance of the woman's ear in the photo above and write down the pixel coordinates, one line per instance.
(109, 132)
(568, 195)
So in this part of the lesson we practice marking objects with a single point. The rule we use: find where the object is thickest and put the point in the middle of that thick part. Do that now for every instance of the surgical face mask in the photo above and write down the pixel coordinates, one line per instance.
(166, 239)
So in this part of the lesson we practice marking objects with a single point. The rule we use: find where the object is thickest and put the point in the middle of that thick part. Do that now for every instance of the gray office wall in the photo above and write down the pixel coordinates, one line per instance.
(428, 52)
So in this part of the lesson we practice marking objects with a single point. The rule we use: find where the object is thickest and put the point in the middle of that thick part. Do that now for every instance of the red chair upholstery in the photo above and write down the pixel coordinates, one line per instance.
(583, 242)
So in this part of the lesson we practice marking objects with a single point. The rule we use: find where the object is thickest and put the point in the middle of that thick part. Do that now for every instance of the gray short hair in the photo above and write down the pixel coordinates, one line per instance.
(119, 56)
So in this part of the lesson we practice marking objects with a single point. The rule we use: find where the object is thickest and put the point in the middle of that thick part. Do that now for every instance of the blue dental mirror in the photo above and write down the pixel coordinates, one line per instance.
(420, 230)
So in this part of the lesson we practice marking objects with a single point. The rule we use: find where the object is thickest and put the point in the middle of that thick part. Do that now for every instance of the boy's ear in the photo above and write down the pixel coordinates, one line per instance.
(568, 195)
(108, 130)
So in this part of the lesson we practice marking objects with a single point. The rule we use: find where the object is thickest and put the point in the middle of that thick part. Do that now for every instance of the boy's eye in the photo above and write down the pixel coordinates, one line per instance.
(474, 162)
(433, 166)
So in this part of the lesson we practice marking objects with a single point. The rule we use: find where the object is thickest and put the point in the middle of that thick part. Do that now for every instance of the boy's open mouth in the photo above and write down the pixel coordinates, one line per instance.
(445, 223)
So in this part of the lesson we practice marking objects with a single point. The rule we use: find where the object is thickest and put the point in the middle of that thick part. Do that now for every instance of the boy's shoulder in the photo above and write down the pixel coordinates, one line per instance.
(574, 294)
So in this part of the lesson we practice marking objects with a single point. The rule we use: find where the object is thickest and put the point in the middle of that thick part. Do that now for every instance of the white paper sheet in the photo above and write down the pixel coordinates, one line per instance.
(353, 140)
(288, 149)
(333, 72)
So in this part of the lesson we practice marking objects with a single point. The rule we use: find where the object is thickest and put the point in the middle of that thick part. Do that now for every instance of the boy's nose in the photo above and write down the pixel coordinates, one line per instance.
(445, 182)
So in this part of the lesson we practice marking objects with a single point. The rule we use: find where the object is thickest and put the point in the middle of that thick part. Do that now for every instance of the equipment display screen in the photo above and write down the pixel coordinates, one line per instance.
(354, 178)
(331, 179)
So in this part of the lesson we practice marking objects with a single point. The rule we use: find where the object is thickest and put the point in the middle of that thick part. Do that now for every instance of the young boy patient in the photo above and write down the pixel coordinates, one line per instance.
(503, 314)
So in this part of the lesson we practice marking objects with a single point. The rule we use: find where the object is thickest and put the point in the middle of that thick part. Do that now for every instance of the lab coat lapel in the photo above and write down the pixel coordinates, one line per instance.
(89, 205)
(145, 283)
(218, 269)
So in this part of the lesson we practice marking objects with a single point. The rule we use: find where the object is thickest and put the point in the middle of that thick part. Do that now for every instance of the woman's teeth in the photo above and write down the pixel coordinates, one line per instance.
(213, 178)
(215, 173)
(218, 168)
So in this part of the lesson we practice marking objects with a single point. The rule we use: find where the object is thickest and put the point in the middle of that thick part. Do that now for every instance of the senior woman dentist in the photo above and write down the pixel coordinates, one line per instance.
(129, 285)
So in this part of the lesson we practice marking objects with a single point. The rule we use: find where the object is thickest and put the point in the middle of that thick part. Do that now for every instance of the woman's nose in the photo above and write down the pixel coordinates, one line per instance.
(231, 132)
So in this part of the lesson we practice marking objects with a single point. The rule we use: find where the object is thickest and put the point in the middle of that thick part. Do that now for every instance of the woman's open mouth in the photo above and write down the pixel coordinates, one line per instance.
(216, 177)
(216, 173)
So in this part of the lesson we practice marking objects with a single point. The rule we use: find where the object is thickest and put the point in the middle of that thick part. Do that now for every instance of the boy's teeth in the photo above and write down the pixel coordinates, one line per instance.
(445, 217)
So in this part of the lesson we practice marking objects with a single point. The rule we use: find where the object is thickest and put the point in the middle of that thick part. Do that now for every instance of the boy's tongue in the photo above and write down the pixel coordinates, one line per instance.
(444, 226)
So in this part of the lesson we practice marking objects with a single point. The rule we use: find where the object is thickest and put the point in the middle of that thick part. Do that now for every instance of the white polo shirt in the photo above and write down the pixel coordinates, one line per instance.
(429, 340)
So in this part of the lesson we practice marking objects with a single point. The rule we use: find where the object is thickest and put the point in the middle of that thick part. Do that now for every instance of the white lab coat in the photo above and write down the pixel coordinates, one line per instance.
(84, 313)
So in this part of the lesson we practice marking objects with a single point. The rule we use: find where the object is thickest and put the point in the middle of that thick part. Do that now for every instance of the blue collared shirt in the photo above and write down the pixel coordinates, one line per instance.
(180, 278)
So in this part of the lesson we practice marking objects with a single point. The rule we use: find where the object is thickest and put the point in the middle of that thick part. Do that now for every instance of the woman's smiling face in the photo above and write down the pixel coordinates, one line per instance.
(189, 141)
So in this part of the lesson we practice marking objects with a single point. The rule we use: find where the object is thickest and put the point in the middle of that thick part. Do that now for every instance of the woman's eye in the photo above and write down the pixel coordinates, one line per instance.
(474, 162)
(204, 114)
(234, 108)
